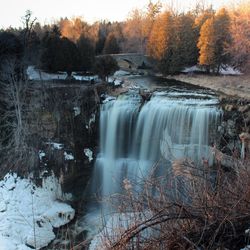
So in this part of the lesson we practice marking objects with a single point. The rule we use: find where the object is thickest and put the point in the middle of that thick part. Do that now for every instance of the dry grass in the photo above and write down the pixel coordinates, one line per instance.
(207, 211)
(230, 85)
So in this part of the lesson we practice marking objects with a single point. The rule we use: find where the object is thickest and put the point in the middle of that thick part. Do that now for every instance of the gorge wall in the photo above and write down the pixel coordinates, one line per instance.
(63, 131)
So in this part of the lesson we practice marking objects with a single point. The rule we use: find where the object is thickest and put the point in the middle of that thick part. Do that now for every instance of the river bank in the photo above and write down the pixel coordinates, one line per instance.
(231, 85)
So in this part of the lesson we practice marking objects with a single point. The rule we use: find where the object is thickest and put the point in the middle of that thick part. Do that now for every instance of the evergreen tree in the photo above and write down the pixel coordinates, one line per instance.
(188, 40)
(223, 38)
(183, 51)
(105, 66)
(10, 46)
(206, 45)
(159, 43)
(59, 54)
(213, 41)
(87, 53)
(111, 45)
(100, 44)
(153, 10)
(50, 47)
(167, 42)
(11, 53)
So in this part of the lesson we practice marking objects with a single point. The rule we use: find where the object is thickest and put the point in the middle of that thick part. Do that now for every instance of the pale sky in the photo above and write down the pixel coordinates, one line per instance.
(46, 11)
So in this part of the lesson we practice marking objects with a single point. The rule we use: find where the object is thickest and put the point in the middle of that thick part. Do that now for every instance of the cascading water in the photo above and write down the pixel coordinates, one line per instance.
(135, 136)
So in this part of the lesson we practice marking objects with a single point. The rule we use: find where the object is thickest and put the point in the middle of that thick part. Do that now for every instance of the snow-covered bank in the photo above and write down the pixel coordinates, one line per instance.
(224, 70)
(39, 75)
(29, 213)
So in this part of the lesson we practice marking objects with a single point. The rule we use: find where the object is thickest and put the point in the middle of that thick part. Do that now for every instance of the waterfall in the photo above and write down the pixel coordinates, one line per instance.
(135, 136)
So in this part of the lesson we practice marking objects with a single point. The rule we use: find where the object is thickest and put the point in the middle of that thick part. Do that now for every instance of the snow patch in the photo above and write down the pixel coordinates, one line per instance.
(192, 69)
(228, 70)
(77, 111)
(68, 156)
(107, 98)
(41, 154)
(89, 154)
(115, 81)
(55, 145)
(37, 74)
(121, 73)
(92, 119)
(84, 78)
(28, 213)
(224, 70)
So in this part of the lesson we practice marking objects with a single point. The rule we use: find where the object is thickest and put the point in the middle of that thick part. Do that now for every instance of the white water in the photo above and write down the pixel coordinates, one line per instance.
(134, 137)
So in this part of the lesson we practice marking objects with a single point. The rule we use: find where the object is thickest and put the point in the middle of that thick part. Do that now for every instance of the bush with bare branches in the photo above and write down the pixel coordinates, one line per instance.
(14, 107)
(189, 208)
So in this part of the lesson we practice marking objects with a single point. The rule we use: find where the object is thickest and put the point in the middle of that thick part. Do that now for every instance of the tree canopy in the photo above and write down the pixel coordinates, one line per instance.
(59, 54)
(213, 41)
(105, 66)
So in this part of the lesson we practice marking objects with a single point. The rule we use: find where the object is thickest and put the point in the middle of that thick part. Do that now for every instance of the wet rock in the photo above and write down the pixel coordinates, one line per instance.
(244, 108)
(230, 107)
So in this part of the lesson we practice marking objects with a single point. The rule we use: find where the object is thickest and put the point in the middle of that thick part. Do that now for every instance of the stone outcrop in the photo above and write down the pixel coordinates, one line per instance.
(235, 126)
(61, 128)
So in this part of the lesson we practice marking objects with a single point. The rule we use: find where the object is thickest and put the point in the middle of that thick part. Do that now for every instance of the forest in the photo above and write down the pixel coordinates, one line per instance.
(204, 36)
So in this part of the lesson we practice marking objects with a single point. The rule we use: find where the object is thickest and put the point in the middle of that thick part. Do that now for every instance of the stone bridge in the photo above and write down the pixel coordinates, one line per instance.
(132, 61)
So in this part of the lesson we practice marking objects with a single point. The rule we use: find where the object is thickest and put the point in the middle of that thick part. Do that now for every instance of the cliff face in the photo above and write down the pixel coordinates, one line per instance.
(63, 130)
(236, 120)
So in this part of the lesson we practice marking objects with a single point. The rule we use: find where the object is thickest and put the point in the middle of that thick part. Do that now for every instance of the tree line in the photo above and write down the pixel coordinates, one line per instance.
(174, 40)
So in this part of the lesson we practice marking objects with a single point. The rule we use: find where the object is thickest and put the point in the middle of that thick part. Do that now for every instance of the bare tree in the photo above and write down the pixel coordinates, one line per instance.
(14, 109)
(28, 23)
(188, 208)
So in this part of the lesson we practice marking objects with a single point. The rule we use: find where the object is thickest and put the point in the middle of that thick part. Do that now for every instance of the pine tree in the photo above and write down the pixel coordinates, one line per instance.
(111, 45)
(185, 52)
(159, 43)
(206, 45)
(87, 53)
(59, 54)
(105, 66)
(213, 41)
(223, 38)
(172, 42)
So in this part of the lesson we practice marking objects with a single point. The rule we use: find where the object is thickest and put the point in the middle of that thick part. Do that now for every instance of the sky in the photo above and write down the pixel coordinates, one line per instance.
(48, 11)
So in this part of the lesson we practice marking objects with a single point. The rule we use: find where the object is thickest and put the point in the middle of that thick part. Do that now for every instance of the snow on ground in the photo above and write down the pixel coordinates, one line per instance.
(121, 73)
(228, 70)
(77, 111)
(115, 81)
(68, 156)
(89, 154)
(84, 78)
(29, 213)
(91, 120)
(41, 154)
(225, 70)
(36, 74)
(55, 145)
(192, 69)
(106, 98)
